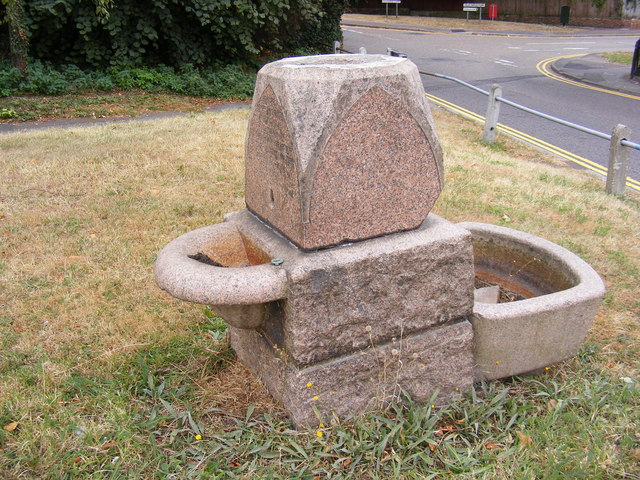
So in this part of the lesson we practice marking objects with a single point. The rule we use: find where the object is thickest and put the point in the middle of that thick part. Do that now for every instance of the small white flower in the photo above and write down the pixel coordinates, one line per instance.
(626, 380)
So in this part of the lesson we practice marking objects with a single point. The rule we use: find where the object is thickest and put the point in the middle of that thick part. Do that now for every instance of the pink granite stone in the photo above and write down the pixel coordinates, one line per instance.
(341, 148)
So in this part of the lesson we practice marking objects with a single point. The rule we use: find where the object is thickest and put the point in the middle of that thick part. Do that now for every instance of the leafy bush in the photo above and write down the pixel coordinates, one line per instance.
(9, 80)
(228, 81)
(319, 36)
(195, 32)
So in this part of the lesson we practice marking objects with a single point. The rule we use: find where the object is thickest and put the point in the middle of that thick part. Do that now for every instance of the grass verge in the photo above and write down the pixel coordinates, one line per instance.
(624, 58)
(458, 23)
(97, 105)
(103, 376)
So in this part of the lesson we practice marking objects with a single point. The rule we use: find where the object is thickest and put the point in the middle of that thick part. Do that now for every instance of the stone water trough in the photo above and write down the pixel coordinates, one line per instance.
(340, 288)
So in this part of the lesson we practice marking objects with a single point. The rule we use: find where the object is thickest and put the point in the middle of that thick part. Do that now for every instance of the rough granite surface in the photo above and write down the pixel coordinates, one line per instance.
(339, 300)
(439, 359)
(341, 148)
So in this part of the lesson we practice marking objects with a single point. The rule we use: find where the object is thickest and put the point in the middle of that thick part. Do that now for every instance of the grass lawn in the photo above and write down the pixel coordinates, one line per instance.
(624, 58)
(97, 105)
(104, 376)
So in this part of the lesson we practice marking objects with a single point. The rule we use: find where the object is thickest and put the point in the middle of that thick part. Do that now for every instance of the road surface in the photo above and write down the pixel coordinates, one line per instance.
(514, 62)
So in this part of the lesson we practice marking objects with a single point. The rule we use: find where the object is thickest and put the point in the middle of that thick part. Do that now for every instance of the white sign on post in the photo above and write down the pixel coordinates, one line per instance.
(386, 6)
(472, 7)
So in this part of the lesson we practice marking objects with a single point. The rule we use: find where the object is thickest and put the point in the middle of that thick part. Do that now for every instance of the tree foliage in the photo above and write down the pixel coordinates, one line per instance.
(174, 32)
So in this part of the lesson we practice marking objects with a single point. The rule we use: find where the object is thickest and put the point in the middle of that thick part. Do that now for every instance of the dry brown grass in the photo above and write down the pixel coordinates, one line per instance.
(83, 212)
(459, 23)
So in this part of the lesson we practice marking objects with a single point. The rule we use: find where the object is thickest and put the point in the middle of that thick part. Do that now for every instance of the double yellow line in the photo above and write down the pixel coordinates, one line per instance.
(583, 162)
(544, 68)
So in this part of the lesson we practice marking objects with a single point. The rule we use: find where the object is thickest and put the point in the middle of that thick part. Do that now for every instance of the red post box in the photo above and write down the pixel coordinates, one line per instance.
(493, 11)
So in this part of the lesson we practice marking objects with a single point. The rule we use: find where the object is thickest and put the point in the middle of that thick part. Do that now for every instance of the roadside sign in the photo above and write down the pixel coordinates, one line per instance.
(473, 7)
(386, 6)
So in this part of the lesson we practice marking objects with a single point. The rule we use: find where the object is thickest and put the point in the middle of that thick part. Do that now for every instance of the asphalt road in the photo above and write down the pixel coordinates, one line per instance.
(511, 61)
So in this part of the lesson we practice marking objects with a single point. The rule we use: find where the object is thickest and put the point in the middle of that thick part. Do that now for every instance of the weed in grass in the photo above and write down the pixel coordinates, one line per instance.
(498, 146)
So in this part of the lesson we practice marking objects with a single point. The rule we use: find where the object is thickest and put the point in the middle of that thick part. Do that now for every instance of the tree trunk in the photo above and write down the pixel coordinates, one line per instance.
(18, 41)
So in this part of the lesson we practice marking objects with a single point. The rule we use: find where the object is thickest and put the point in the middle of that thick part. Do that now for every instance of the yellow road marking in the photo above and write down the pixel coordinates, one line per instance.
(543, 68)
(572, 157)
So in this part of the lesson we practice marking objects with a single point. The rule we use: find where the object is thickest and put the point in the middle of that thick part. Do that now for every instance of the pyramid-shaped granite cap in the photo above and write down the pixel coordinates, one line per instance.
(341, 148)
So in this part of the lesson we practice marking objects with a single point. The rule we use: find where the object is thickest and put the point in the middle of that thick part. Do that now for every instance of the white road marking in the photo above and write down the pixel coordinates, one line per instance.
(575, 48)
(506, 63)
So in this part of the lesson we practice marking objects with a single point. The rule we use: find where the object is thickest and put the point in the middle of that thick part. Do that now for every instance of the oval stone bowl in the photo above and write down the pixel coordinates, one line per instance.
(219, 266)
(557, 297)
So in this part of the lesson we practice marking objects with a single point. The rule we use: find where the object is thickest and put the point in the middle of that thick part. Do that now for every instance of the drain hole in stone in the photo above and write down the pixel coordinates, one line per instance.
(202, 258)
(272, 200)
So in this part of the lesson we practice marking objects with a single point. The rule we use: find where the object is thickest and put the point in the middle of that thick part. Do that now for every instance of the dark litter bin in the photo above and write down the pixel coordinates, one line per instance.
(564, 15)
(635, 63)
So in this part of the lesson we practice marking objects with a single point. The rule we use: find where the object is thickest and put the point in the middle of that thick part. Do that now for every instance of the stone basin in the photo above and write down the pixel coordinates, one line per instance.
(220, 266)
(560, 294)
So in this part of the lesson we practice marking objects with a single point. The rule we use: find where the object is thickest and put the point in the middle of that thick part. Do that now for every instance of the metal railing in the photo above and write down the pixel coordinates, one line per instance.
(618, 157)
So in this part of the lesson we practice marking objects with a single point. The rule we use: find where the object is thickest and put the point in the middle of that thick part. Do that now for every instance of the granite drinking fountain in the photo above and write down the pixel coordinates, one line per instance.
(340, 288)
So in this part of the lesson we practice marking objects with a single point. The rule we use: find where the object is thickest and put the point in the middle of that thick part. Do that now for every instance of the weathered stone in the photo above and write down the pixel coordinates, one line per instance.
(342, 299)
(513, 338)
(439, 359)
(487, 294)
(341, 148)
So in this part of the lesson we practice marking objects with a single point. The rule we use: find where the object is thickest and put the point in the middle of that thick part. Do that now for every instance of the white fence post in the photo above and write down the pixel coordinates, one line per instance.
(491, 118)
(336, 46)
(618, 161)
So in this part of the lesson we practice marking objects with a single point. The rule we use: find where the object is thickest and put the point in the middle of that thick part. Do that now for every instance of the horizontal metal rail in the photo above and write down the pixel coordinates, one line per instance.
(576, 126)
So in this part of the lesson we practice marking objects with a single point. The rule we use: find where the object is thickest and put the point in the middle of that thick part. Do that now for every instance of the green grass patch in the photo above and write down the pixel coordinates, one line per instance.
(623, 58)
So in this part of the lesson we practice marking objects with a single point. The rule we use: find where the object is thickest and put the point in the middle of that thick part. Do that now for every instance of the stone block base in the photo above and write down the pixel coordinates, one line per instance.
(439, 359)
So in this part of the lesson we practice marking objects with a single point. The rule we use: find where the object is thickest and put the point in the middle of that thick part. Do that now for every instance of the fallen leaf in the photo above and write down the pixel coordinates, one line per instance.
(524, 439)
(108, 445)
(553, 403)
(77, 459)
(11, 427)
(491, 446)
(610, 364)
(432, 447)
(445, 429)
(346, 462)
(213, 122)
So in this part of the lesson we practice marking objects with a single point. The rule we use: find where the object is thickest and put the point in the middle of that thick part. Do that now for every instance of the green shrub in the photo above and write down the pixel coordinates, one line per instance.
(44, 79)
(195, 32)
(226, 81)
(9, 80)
